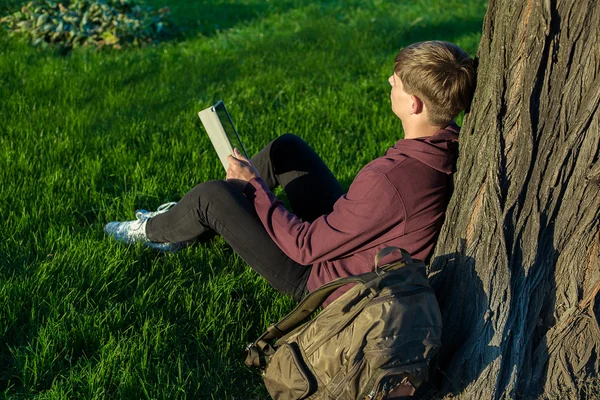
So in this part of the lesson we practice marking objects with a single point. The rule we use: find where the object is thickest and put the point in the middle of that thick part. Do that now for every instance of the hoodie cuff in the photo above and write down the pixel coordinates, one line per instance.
(256, 187)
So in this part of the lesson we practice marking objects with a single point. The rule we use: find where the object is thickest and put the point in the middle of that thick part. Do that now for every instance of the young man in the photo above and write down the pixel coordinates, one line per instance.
(398, 199)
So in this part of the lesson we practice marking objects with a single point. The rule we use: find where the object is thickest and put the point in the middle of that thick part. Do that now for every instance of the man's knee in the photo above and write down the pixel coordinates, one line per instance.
(288, 143)
(289, 149)
(210, 191)
(289, 139)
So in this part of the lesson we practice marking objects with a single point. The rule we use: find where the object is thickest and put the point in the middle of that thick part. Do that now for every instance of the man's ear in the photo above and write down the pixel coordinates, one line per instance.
(416, 105)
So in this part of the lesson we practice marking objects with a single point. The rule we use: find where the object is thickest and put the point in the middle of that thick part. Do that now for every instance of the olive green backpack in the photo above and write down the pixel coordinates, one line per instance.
(376, 338)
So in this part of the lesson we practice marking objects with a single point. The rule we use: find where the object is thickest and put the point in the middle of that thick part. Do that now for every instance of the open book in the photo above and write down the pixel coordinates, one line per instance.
(222, 133)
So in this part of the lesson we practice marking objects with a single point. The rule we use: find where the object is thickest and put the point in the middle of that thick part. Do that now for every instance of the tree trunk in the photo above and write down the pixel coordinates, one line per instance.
(517, 266)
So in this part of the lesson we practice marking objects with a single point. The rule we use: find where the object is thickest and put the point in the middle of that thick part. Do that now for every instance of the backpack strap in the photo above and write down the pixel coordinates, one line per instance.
(389, 250)
(310, 303)
(314, 300)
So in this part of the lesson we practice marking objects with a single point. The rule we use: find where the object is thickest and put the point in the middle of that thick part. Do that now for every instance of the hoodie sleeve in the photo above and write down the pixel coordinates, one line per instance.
(371, 207)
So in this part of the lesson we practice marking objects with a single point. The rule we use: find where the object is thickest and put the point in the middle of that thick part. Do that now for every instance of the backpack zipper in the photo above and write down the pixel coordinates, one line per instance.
(403, 293)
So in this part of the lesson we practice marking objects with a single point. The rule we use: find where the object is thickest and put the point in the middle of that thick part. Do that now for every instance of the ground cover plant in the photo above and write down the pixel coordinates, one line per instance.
(69, 24)
(89, 137)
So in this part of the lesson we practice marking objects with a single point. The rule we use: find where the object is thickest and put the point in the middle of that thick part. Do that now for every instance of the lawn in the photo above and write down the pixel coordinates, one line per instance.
(88, 137)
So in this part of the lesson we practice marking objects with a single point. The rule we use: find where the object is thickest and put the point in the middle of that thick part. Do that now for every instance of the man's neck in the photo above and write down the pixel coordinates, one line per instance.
(418, 129)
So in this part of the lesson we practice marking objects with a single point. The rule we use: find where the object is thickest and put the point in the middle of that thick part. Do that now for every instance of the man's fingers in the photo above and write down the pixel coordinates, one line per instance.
(232, 159)
(239, 155)
(240, 168)
(236, 162)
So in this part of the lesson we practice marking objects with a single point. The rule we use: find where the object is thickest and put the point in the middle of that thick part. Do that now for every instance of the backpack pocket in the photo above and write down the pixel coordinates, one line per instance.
(287, 377)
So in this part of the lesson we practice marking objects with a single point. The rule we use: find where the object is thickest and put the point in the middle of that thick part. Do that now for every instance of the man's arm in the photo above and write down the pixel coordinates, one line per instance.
(371, 207)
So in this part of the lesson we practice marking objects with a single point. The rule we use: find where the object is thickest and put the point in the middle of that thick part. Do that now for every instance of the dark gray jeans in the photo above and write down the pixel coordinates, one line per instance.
(222, 207)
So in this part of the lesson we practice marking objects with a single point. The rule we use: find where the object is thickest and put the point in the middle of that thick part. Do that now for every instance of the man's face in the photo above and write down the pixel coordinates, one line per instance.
(401, 101)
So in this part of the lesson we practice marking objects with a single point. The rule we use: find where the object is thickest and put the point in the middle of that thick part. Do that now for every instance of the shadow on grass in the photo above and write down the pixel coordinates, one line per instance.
(207, 18)
(9, 6)
(449, 30)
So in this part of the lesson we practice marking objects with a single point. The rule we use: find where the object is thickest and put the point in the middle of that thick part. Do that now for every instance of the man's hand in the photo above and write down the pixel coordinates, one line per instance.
(240, 168)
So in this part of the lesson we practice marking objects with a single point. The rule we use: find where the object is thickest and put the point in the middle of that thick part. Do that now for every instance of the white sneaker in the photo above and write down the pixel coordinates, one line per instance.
(135, 231)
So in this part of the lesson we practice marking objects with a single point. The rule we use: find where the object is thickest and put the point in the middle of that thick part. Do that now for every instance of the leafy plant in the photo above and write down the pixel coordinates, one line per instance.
(114, 23)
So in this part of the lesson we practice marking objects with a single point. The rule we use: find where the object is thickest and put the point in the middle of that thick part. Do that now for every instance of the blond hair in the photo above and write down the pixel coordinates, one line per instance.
(441, 74)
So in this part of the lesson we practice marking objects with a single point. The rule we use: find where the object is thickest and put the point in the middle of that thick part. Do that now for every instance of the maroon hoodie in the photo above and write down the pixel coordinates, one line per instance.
(395, 200)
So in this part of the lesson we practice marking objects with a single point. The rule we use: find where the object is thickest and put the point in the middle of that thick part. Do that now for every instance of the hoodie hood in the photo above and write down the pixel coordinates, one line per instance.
(438, 151)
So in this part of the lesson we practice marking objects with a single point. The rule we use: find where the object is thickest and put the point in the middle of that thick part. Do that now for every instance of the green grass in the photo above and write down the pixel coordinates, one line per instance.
(89, 137)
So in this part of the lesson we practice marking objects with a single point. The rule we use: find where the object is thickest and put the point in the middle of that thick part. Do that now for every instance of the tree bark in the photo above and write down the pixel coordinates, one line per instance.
(517, 265)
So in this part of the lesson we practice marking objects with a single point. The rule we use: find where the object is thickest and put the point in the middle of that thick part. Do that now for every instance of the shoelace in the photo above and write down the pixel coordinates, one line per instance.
(165, 207)
(144, 214)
